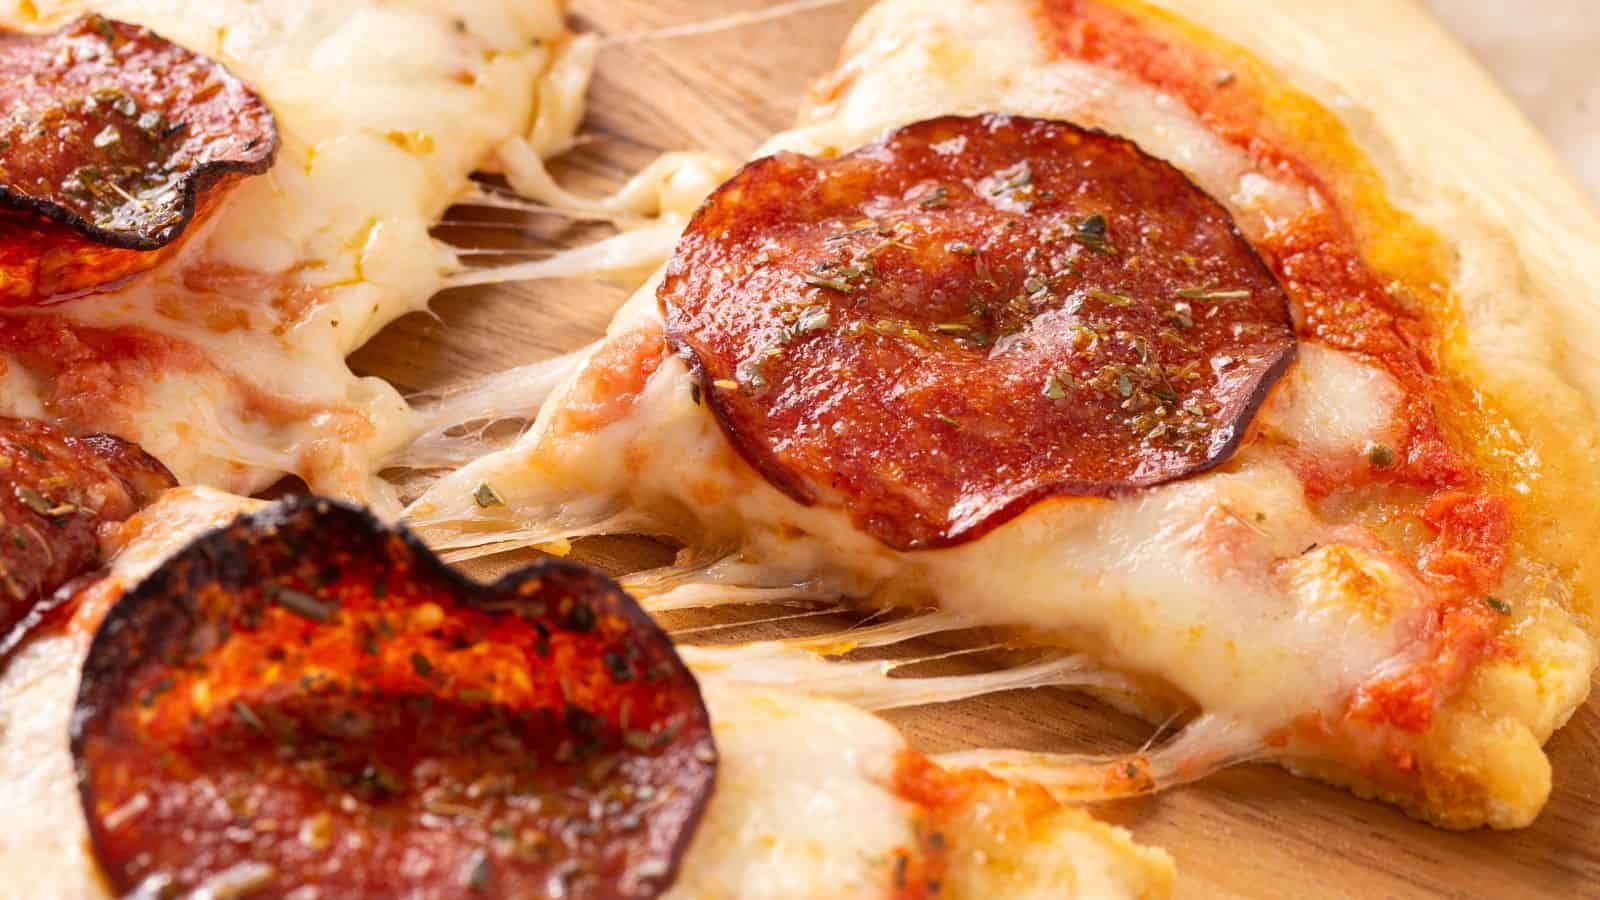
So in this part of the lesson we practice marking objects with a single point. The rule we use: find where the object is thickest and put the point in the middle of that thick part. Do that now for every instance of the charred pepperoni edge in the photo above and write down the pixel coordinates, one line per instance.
(794, 485)
(53, 554)
(49, 612)
(157, 617)
(204, 176)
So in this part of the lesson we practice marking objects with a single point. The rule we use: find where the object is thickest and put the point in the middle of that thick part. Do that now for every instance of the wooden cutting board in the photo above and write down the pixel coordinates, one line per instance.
(1254, 831)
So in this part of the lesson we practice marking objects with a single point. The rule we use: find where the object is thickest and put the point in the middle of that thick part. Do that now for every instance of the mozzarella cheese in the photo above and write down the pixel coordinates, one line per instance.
(1333, 405)
(384, 109)
(828, 827)
(1249, 598)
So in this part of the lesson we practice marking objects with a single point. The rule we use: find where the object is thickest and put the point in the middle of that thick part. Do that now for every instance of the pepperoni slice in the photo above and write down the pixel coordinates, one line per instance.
(56, 491)
(112, 141)
(308, 703)
(942, 329)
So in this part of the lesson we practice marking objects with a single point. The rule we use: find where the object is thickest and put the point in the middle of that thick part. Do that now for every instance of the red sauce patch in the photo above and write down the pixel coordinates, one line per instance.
(114, 141)
(919, 871)
(93, 376)
(1464, 562)
(950, 806)
(1429, 461)
(308, 698)
(56, 491)
(972, 316)
(612, 381)
(1098, 33)
(1471, 547)
(1456, 637)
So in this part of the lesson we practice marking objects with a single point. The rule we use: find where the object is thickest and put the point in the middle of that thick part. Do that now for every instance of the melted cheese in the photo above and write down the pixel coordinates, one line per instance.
(970, 58)
(827, 827)
(1140, 575)
(384, 110)
(1333, 405)
(1254, 602)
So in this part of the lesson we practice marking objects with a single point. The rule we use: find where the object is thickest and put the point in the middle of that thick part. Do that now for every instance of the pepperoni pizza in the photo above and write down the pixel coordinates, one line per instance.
(1066, 320)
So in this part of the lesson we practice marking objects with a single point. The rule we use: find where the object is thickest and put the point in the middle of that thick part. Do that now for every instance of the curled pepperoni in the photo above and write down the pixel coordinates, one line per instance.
(112, 141)
(309, 703)
(56, 491)
(939, 330)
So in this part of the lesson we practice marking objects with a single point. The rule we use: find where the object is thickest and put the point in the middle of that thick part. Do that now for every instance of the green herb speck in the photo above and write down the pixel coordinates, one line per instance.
(303, 605)
(34, 500)
(1380, 455)
(1094, 233)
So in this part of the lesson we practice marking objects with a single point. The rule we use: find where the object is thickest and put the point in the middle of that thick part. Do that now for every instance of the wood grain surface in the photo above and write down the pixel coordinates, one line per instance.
(1254, 831)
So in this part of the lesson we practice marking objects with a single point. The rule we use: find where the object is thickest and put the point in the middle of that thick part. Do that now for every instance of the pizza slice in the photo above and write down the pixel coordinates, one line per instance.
(302, 702)
(206, 206)
(1081, 321)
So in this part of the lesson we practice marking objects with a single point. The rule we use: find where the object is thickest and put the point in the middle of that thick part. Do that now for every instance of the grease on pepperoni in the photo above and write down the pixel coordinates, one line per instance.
(307, 698)
(56, 493)
(944, 328)
(113, 141)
